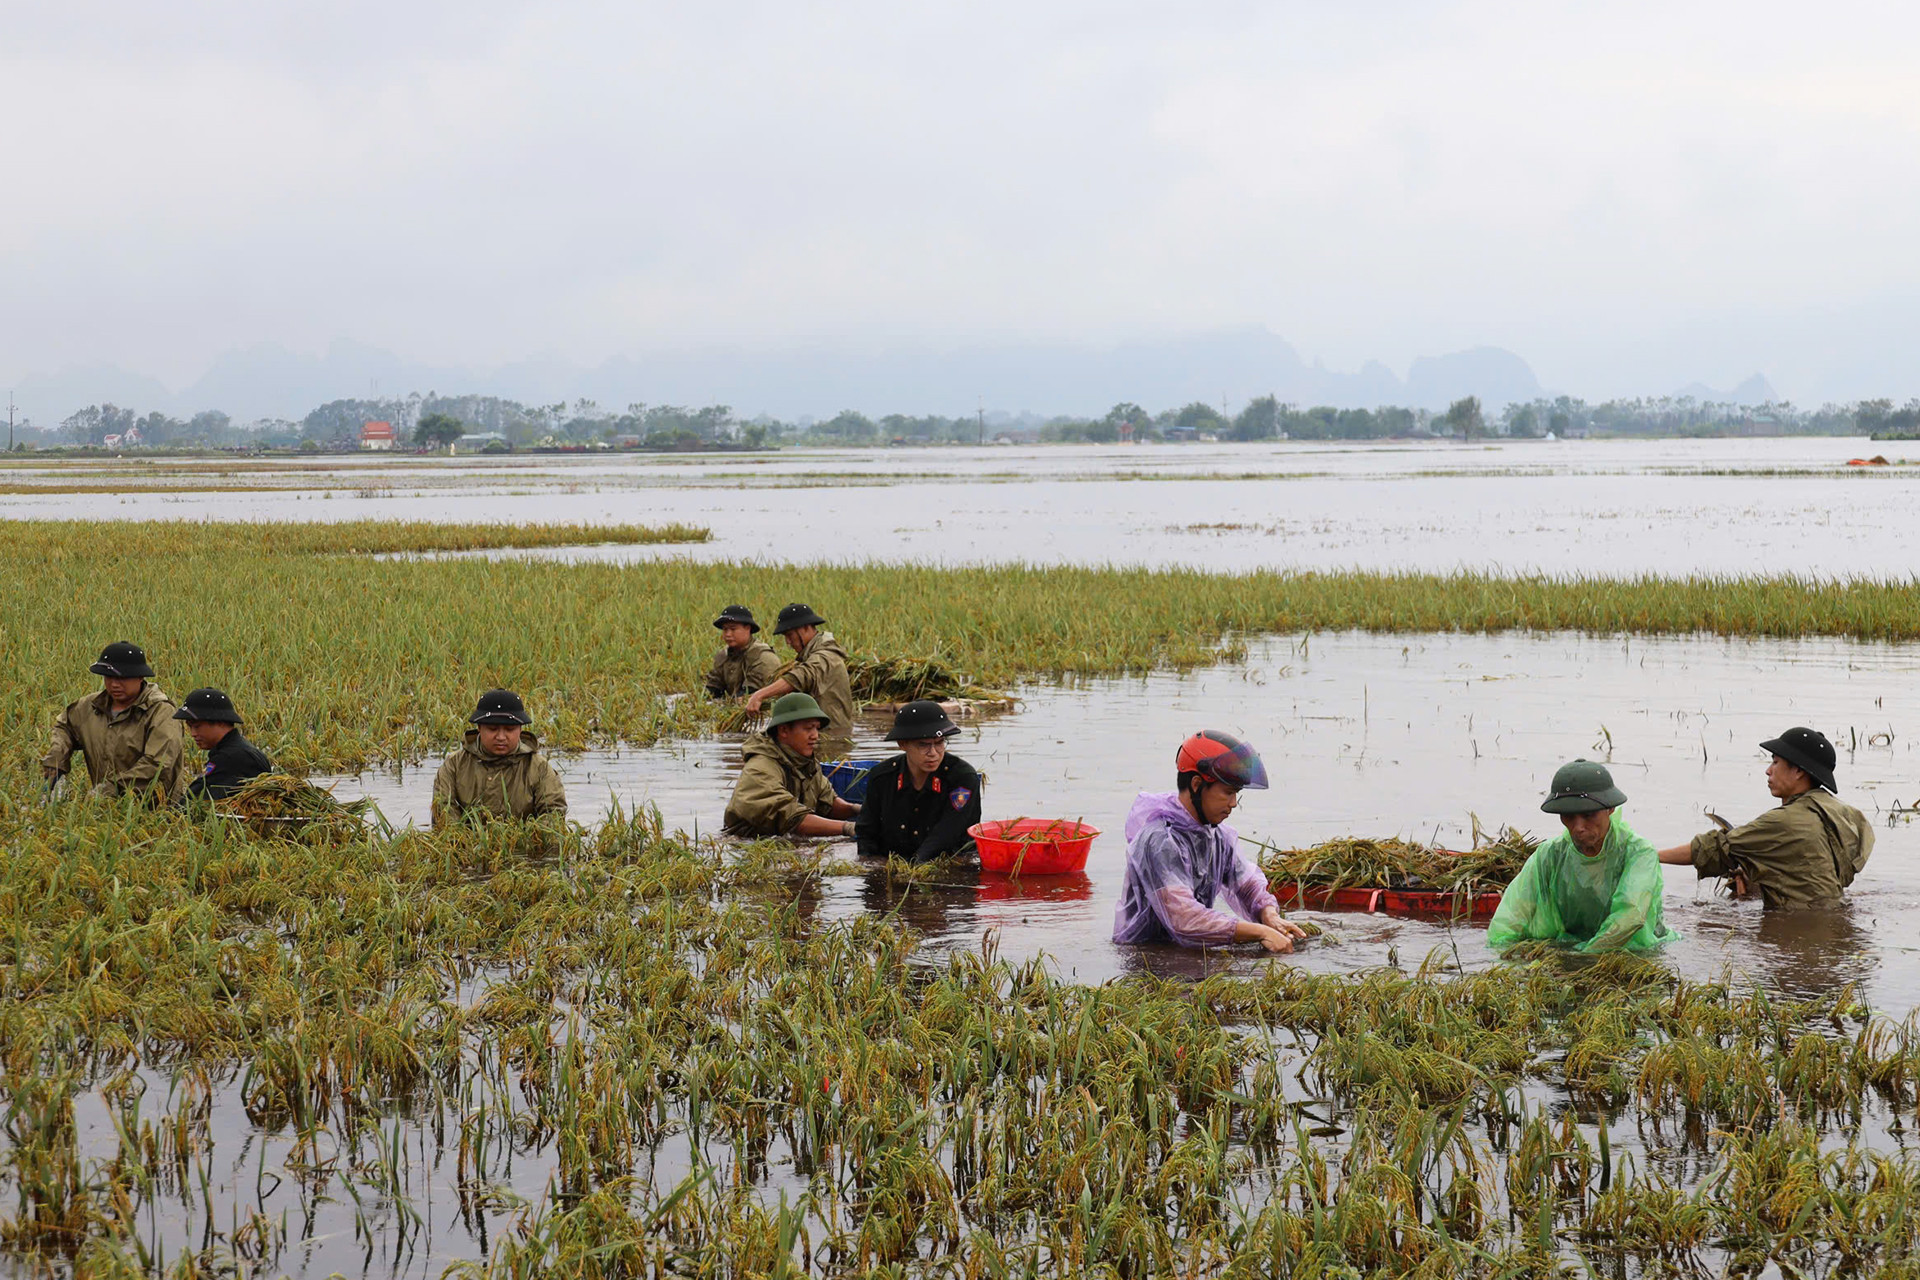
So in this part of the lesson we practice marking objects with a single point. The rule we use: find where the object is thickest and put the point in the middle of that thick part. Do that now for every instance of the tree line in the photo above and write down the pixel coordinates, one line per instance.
(434, 419)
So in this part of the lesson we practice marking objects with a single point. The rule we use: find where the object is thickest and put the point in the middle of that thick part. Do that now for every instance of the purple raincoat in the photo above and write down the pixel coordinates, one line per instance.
(1186, 882)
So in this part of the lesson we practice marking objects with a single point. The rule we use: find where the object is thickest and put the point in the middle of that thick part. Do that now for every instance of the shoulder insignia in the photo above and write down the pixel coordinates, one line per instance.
(960, 797)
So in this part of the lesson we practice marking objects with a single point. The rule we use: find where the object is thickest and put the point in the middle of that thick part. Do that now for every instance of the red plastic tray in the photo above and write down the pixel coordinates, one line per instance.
(1033, 846)
(1394, 902)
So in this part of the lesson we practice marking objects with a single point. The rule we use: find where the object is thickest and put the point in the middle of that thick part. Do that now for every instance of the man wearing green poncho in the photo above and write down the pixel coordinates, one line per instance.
(1596, 886)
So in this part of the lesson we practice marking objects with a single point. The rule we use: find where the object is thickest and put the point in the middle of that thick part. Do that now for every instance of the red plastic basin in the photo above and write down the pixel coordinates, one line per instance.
(1393, 902)
(1033, 846)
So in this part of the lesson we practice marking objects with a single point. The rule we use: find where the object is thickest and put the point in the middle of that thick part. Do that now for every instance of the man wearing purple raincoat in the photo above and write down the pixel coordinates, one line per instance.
(1186, 882)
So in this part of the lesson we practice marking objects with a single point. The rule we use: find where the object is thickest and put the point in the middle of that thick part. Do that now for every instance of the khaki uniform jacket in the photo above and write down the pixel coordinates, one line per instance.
(131, 750)
(737, 674)
(1801, 854)
(518, 785)
(821, 670)
(776, 789)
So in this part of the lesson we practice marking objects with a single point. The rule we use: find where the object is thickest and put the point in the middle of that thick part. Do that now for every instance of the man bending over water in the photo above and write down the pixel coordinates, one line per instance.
(1186, 881)
(1596, 886)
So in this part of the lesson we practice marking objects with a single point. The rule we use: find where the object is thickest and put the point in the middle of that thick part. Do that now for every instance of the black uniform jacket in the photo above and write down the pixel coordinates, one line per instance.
(917, 826)
(232, 761)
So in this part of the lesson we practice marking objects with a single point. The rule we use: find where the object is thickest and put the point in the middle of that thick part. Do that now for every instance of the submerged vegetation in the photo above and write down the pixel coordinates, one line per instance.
(623, 1056)
(621, 1052)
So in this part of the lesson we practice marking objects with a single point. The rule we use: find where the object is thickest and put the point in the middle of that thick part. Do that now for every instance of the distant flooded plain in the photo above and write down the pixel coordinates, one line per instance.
(1732, 507)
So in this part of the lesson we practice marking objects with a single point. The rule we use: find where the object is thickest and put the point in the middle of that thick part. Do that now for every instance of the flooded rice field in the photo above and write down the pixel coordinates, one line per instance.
(1381, 736)
(1771, 506)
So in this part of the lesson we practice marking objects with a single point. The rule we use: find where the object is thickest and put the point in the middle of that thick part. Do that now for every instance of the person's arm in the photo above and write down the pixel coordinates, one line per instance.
(814, 824)
(160, 749)
(1681, 855)
(762, 802)
(1169, 895)
(549, 795)
(1523, 909)
(1250, 889)
(867, 830)
(762, 696)
(446, 809)
(61, 745)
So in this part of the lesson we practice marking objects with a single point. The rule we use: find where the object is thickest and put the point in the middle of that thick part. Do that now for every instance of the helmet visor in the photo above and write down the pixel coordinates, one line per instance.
(1238, 767)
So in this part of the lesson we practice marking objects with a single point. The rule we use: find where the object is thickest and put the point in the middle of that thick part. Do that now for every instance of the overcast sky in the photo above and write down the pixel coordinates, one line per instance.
(1628, 195)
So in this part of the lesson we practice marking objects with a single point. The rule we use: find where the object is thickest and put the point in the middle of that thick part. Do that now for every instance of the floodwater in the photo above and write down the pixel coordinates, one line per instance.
(1408, 736)
(1772, 506)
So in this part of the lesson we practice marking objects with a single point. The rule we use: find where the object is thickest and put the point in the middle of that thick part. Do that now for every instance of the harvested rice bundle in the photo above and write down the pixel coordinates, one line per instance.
(1400, 864)
(279, 804)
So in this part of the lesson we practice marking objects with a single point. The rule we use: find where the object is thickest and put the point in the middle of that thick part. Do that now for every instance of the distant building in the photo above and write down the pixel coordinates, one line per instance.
(482, 442)
(376, 435)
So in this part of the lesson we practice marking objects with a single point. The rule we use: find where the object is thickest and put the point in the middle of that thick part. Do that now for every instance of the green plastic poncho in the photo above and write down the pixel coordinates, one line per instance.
(1610, 902)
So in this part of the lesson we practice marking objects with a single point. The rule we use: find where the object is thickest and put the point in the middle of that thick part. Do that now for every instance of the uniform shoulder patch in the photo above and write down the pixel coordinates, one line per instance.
(960, 797)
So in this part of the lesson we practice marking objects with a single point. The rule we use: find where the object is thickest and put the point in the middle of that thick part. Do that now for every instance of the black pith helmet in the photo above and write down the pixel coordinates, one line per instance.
(209, 705)
(797, 615)
(499, 706)
(1806, 749)
(123, 660)
(920, 720)
(737, 613)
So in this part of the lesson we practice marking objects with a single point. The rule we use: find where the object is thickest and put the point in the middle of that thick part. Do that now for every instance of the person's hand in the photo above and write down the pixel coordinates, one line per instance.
(1278, 941)
(1272, 918)
(104, 791)
(754, 700)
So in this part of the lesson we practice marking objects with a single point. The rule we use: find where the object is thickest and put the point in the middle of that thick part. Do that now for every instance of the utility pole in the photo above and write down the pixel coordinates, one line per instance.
(9, 422)
(983, 419)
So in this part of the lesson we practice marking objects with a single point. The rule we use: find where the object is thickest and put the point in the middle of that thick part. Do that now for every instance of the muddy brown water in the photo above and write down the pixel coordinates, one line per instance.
(1393, 736)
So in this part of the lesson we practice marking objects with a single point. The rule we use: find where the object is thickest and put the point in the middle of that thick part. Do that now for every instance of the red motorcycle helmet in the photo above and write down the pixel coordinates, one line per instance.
(1223, 758)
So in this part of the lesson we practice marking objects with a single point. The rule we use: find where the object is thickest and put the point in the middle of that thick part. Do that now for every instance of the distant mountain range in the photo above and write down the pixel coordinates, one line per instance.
(820, 380)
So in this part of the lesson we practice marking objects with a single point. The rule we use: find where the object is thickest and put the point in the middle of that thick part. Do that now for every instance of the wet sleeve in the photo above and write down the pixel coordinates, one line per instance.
(60, 747)
(1641, 885)
(1249, 887)
(549, 796)
(949, 831)
(717, 676)
(761, 800)
(1721, 853)
(1526, 910)
(763, 668)
(807, 675)
(446, 805)
(821, 795)
(161, 746)
(1167, 876)
(868, 825)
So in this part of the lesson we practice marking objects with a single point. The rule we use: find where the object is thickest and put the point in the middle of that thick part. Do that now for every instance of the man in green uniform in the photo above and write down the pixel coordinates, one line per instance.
(1596, 886)
(1801, 854)
(819, 669)
(231, 760)
(920, 803)
(781, 791)
(499, 771)
(127, 731)
(745, 662)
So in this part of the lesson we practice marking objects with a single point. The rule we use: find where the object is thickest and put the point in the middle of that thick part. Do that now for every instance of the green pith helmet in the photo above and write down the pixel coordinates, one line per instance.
(789, 707)
(1584, 786)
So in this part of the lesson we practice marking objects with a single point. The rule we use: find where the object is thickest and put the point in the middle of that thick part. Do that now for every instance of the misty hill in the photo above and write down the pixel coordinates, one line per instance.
(1755, 390)
(822, 379)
